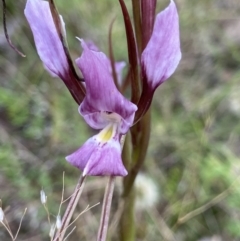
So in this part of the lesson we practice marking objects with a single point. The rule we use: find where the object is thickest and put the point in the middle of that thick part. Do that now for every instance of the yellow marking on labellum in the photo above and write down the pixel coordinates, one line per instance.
(107, 133)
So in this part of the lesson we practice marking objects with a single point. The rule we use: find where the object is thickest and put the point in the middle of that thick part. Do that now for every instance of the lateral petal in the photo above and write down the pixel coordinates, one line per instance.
(46, 38)
(162, 54)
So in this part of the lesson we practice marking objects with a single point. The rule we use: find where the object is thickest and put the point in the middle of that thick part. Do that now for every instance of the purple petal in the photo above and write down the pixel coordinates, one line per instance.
(99, 159)
(101, 92)
(46, 38)
(80, 157)
(162, 53)
(91, 45)
(119, 66)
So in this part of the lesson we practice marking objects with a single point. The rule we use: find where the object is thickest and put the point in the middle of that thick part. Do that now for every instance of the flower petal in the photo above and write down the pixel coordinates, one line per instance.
(80, 157)
(162, 53)
(119, 66)
(101, 92)
(46, 38)
(99, 159)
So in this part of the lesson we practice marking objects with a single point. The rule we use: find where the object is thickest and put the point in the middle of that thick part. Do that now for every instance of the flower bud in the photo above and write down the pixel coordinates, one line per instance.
(58, 222)
(1, 215)
(43, 197)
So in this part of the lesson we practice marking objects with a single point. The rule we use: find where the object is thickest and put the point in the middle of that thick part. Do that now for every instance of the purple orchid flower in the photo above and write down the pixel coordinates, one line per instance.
(103, 108)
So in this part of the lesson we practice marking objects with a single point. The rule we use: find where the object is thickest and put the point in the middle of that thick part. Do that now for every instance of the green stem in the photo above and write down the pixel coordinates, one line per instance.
(126, 152)
(140, 139)
(127, 222)
(139, 151)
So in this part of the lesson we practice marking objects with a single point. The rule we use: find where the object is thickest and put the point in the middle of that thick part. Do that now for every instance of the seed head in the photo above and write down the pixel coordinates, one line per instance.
(43, 197)
(58, 222)
(1, 215)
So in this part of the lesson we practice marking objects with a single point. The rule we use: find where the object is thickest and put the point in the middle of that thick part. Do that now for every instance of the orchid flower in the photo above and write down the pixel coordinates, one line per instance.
(153, 52)
(103, 108)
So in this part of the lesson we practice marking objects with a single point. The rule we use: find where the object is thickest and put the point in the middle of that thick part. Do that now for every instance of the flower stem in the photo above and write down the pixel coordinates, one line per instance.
(107, 201)
(139, 152)
(70, 209)
(140, 142)
(127, 221)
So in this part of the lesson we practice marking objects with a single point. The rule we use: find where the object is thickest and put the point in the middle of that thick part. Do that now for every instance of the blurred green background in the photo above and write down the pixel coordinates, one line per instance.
(193, 157)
